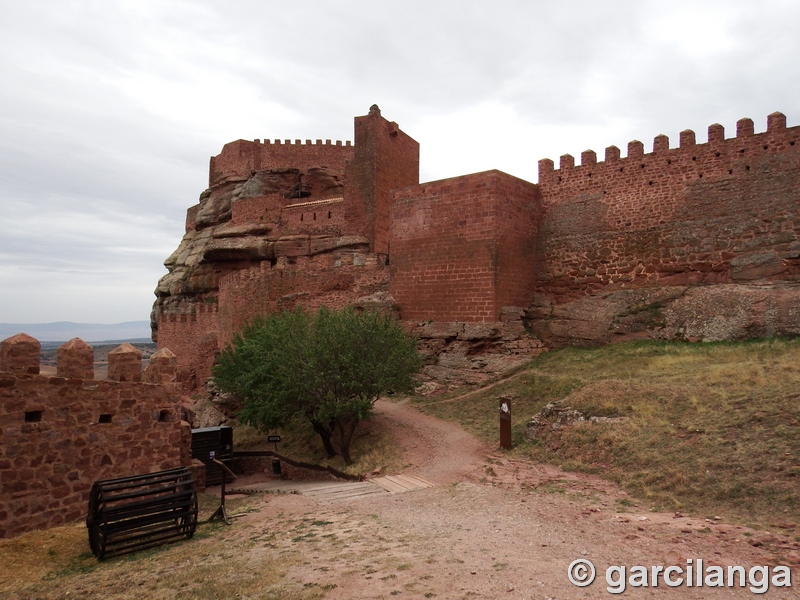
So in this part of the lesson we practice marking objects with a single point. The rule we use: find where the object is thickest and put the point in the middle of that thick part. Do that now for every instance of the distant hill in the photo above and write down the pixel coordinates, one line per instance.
(62, 331)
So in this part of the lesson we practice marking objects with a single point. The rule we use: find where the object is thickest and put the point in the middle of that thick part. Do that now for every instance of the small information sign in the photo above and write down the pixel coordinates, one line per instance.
(505, 423)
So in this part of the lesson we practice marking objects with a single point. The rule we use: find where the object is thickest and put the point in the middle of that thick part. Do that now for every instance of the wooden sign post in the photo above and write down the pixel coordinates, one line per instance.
(505, 423)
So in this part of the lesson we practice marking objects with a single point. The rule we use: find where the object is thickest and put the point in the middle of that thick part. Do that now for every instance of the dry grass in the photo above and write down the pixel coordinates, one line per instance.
(712, 428)
(371, 448)
(217, 563)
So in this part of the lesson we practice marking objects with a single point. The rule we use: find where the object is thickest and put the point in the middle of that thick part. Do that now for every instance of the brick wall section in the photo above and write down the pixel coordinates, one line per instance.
(334, 279)
(242, 156)
(261, 209)
(319, 217)
(716, 212)
(59, 435)
(385, 159)
(193, 338)
(462, 248)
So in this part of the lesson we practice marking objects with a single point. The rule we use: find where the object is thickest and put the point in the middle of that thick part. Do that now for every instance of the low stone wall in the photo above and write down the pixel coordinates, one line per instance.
(60, 434)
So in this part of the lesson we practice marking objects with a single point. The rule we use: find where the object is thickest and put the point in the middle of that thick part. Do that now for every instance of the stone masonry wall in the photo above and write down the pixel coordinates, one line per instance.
(724, 211)
(194, 339)
(60, 434)
(462, 248)
(698, 242)
(241, 157)
(385, 159)
(332, 279)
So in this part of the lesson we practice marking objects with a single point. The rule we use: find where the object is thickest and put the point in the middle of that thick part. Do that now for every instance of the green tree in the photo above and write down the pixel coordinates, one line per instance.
(328, 367)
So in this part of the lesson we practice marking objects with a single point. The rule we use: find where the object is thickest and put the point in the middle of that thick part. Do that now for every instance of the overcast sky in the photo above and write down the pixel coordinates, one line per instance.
(110, 110)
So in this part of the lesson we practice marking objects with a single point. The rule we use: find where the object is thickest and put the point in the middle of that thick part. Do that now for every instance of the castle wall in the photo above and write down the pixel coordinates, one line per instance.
(257, 210)
(318, 217)
(724, 211)
(385, 159)
(194, 339)
(59, 435)
(630, 247)
(462, 248)
(241, 157)
(333, 279)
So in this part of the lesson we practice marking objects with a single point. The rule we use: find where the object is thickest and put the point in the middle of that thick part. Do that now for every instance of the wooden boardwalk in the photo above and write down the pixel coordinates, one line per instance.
(338, 490)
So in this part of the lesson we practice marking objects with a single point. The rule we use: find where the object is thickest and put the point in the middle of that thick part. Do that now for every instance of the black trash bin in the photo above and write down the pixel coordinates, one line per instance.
(276, 466)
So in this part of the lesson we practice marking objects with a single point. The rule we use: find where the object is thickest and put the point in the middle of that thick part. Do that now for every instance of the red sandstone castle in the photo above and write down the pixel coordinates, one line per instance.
(696, 242)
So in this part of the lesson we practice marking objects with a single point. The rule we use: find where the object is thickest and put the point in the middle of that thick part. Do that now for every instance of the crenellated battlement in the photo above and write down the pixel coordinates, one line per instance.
(278, 142)
(718, 157)
(59, 434)
(242, 157)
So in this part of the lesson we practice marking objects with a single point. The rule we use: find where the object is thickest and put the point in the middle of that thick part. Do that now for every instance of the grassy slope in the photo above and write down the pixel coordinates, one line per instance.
(712, 428)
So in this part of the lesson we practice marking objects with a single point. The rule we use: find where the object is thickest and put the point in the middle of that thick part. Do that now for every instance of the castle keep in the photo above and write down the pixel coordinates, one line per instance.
(699, 242)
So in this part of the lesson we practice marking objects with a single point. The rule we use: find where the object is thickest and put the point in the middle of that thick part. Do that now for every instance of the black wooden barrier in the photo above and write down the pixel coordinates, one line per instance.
(142, 511)
(211, 444)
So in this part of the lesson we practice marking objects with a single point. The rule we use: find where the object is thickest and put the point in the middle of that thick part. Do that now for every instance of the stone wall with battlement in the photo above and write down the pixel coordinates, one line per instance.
(192, 336)
(718, 212)
(241, 157)
(641, 245)
(60, 434)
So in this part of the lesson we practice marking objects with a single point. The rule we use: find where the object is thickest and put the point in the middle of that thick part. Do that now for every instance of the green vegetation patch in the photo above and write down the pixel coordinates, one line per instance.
(712, 428)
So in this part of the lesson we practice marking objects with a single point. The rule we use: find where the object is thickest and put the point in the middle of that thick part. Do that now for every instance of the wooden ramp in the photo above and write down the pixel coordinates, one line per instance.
(338, 490)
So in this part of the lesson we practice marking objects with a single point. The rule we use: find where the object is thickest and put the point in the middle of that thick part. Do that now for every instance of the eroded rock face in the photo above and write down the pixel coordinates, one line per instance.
(458, 353)
(698, 313)
(216, 243)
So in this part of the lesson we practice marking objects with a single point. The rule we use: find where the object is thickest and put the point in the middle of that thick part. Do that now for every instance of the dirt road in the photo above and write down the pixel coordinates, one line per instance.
(495, 528)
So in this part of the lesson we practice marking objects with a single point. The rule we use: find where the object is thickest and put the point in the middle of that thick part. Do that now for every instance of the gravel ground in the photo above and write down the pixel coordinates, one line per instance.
(496, 527)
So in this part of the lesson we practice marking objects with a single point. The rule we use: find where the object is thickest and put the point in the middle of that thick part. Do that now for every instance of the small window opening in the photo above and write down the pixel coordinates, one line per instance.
(329, 214)
(33, 416)
(315, 216)
(163, 416)
(301, 216)
(104, 419)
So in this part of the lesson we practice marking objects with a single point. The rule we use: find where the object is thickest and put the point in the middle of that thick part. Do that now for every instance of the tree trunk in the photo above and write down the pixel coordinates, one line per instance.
(325, 435)
(346, 431)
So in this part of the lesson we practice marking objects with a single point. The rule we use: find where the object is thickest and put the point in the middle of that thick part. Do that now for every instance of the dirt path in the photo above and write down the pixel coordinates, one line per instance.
(494, 528)
(434, 449)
